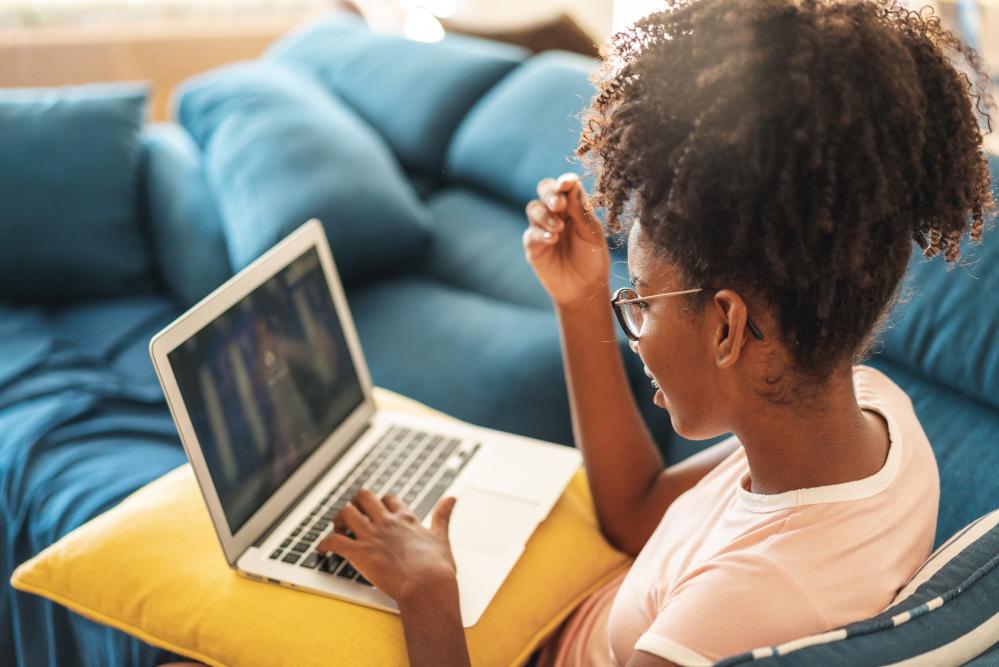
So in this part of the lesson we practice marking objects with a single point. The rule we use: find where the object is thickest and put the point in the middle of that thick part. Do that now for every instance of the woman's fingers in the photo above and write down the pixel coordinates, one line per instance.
(355, 521)
(553, 193)
(537, 241)
(543, 230)
(544, 190)
(369, 503)
(538, 214)
(577, 207)
(335, 542)
(393, 502)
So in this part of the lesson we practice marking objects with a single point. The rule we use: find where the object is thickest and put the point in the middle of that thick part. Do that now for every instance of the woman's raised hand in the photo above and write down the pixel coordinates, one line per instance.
(564, 243)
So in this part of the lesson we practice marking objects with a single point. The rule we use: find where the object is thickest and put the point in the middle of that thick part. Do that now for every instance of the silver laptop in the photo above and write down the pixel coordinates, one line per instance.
(271, 395)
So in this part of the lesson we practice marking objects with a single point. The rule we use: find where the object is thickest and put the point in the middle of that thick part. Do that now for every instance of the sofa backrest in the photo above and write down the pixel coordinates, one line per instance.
(70, 189)
(413, 93)
(524, 129)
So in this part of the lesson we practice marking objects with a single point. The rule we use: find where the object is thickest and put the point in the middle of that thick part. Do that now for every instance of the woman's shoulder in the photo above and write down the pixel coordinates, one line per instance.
(872, 383)
(875, 390)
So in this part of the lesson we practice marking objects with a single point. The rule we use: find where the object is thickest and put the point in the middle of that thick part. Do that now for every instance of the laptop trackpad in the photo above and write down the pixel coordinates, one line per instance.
(491, 522)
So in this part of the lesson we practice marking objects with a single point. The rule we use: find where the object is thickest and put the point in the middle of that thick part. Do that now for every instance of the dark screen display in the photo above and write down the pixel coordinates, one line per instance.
(266, 383)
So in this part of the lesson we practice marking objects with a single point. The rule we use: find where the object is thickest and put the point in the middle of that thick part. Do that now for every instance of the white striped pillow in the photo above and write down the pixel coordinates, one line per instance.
(947, 614)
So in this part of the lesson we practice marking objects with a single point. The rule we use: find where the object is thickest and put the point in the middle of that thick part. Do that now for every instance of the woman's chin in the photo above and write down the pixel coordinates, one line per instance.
(659, 399)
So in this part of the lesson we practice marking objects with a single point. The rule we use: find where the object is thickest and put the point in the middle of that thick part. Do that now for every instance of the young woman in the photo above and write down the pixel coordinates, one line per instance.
(771, 162)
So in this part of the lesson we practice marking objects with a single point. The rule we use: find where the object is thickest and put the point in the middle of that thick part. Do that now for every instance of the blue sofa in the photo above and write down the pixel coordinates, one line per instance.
(419, 159)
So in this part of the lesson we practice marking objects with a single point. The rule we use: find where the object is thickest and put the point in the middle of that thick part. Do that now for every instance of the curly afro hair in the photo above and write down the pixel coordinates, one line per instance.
(792, 149)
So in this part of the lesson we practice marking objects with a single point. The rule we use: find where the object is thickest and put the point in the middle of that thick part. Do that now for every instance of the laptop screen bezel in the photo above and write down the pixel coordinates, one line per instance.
(308, 236)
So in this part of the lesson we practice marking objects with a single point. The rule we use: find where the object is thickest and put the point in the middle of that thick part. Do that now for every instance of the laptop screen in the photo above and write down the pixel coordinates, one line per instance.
(265, 383)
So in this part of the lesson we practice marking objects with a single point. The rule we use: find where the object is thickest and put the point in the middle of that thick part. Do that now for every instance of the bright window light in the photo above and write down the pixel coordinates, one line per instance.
(627, 12)
(422, 26)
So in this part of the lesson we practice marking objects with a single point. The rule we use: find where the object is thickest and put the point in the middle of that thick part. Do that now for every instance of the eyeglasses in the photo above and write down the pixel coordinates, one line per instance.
(630, 310)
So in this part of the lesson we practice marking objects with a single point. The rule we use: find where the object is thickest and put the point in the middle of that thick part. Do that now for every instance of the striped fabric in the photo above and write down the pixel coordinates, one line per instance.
(947, 614)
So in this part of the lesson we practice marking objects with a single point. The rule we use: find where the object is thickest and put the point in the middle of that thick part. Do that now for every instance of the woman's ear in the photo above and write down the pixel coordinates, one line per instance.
(730, 330)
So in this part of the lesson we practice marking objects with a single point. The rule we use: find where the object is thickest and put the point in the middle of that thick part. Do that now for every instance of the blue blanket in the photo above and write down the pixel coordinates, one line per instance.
(83, 424)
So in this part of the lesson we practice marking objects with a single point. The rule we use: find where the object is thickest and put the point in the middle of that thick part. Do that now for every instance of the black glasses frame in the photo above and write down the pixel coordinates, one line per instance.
(626, 295)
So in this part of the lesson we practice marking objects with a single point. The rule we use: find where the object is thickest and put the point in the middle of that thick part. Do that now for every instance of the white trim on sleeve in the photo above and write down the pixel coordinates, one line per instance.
(670, 650)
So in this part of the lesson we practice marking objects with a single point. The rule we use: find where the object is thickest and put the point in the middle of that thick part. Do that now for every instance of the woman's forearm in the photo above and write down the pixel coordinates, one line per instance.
(431, 621)
(622, 461)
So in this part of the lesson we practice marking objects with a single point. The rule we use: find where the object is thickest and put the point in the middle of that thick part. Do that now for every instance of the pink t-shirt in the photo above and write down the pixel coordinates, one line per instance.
(727, 571)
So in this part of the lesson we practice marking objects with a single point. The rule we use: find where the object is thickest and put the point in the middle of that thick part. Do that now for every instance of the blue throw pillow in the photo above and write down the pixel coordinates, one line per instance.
(525, 128)
(278, 150)
(422, 90)
(946, 615)
(69, 192)
(184, 221)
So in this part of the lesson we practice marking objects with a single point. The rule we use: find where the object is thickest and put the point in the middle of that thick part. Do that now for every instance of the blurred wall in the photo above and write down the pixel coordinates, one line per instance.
(594, 16)
(163, 53)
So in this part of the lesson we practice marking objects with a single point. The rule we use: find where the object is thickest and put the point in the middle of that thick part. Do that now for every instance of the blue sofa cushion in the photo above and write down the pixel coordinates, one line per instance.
(948, 614)
(941, 332)
(278, 150)
(500, 363)
(523, 130)
(184, 221)
(69, 220)
(477, 246)
(423, 89)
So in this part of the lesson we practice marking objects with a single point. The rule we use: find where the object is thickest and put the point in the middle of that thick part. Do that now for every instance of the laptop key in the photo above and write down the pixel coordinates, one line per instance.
(429, 500)
(277, 552)
(311, 560)
(347, 571)
(331, 563)
(291, 558)
(361, 580)
(301, 547)
(286, 543)
(311, 536)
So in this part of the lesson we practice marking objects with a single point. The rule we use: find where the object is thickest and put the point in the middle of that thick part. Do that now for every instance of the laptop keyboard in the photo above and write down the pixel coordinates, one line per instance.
(416, 465)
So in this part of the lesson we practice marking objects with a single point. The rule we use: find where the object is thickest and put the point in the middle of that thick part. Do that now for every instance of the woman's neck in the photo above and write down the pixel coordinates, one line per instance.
(829, 440)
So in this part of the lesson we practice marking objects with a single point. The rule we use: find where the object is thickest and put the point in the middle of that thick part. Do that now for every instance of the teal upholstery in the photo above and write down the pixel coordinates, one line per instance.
(477, 247)
(423, 90)
(83, 425)
(278, 150)
(419, 158)
(499, 367)
(188, 241)
(938, 332)
(516, 135)
(69, 158)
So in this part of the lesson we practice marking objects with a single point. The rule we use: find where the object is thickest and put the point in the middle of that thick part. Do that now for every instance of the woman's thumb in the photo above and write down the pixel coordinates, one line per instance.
(442, 515)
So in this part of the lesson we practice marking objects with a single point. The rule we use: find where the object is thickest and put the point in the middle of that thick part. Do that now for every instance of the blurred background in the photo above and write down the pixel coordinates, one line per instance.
(51, 42)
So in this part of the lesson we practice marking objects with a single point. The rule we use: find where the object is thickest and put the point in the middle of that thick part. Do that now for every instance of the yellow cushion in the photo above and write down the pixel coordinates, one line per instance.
(153, 568)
